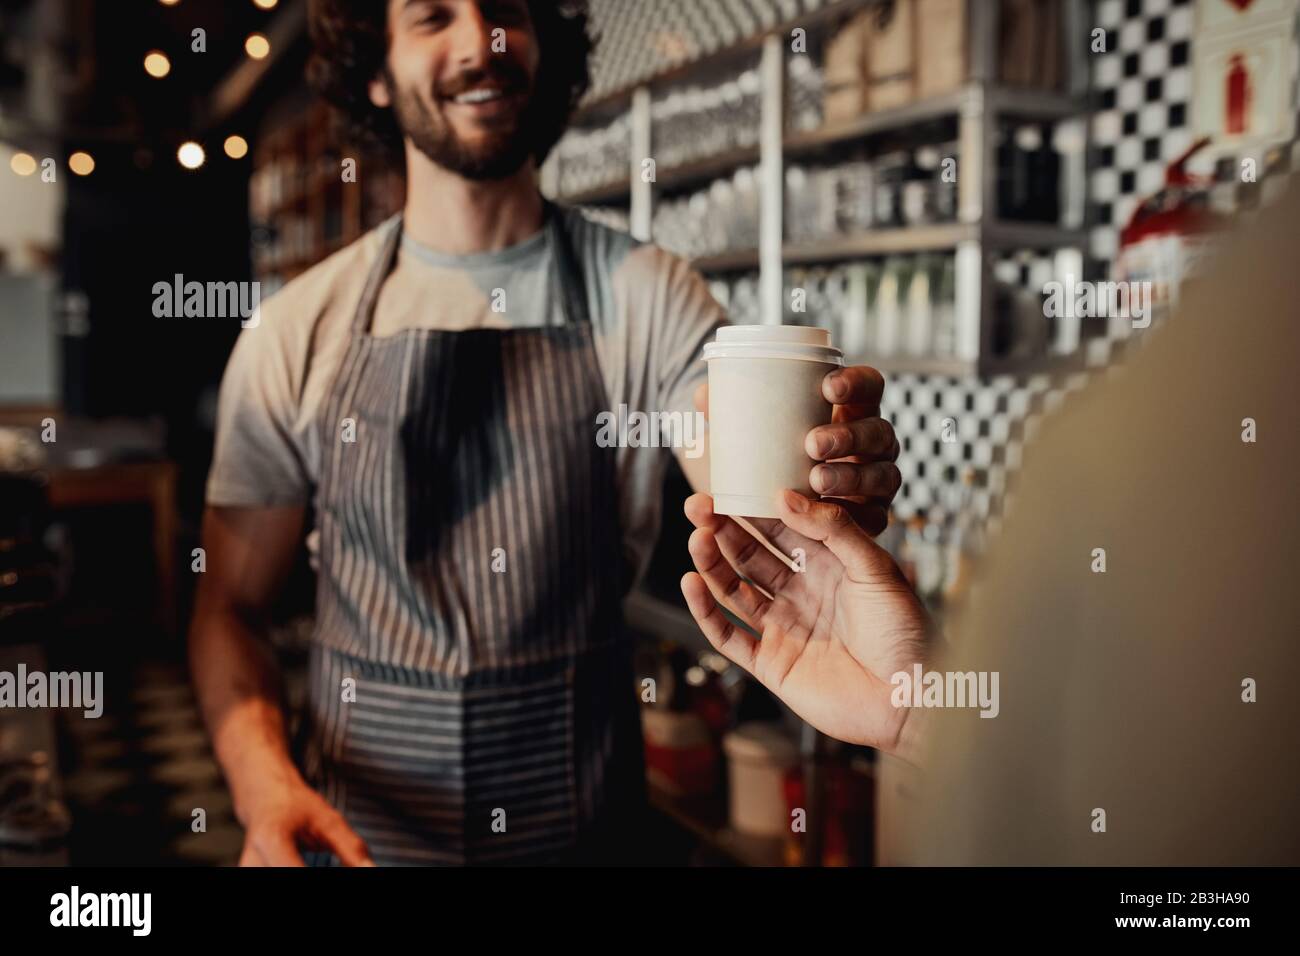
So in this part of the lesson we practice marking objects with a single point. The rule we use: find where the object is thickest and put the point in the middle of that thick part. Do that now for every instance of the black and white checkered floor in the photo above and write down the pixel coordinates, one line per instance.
(134, 777)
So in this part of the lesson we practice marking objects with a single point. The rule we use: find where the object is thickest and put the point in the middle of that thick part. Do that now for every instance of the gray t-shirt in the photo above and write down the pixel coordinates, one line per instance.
(651, 315)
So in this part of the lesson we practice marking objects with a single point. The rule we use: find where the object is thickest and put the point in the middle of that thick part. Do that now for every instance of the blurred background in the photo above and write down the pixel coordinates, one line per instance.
(911, 174)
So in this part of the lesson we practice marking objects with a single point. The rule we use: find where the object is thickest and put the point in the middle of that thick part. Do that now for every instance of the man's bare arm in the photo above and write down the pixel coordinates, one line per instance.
(250, 552)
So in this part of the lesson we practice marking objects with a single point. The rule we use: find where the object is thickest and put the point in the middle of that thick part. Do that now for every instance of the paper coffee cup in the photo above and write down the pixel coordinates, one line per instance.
(765, 395)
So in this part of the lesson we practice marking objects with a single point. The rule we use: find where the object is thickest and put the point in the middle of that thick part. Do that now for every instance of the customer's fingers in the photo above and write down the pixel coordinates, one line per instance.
(702, 399)
(727, 639)
(833, 525)
(739, 597)
(871, 439)
(699, 509)
(746, 554)
(877, 479)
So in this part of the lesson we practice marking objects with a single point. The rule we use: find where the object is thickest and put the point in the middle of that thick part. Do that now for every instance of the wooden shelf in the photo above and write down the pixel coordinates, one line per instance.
(1023, 104)
(883, 242)
(901, 241)
(1026, 104)
(670, 177)
(1003, 234)
(738, 261)
(870, 124)
(598, 195)
(706, 168)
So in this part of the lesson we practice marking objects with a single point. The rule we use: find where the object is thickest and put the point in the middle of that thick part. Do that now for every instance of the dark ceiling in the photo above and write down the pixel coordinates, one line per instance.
(72, 71)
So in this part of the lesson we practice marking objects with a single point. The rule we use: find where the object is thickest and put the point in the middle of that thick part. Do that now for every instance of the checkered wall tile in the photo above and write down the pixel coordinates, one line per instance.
(1143, 85)
(947, 426)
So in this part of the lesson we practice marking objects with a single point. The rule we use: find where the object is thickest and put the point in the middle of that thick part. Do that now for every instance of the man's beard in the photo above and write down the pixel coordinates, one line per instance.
(497, 156)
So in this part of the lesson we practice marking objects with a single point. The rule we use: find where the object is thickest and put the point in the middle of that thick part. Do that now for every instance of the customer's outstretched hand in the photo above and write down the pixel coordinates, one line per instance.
(833, 633)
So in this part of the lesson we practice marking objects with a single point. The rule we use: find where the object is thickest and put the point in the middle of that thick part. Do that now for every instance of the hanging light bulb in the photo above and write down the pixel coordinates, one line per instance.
(257, 46)
(157, 65)
(191, 155)
(24, 164)
(83, 164)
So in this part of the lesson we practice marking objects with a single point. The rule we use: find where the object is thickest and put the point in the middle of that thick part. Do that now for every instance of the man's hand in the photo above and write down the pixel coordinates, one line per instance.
(856, 452)
(288, 815)
(833, 634)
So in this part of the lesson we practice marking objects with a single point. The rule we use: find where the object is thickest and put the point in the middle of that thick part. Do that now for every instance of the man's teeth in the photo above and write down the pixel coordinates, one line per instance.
(478, 96)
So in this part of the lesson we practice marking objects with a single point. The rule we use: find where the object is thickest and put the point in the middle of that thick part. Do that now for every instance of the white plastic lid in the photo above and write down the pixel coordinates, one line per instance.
(799, 342)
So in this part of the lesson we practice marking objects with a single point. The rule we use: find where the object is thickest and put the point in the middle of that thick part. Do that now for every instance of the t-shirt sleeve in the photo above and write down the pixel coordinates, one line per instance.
(690, 317)
(259, 459)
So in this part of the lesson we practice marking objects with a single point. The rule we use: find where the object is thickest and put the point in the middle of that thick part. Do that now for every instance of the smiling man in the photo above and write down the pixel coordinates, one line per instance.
(434, 391)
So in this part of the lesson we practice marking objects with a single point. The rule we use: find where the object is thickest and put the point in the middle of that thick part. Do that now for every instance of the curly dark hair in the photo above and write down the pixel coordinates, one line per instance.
(350, 40)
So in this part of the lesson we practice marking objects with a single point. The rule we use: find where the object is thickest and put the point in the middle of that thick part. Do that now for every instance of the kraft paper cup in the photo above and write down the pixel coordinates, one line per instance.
(765, 395)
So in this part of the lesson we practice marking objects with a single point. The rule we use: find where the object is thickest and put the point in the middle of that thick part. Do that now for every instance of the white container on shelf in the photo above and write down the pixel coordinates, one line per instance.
(758, 756)
(945, 310)
(856, 335)
(889, 306)
(920, 316)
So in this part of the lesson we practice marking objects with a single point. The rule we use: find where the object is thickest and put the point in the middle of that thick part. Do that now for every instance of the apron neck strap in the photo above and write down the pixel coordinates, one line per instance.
(566, 272)
(566, 269)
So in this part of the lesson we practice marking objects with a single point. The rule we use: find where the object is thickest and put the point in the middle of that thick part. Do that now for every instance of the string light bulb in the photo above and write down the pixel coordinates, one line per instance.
(24, 164)
(156, 64)
(257, 46)
(236, 147)
(81, 163)
(191, 155)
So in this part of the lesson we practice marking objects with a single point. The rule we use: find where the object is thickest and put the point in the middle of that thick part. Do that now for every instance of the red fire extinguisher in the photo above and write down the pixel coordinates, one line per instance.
(1168, 234)
(1238, 98)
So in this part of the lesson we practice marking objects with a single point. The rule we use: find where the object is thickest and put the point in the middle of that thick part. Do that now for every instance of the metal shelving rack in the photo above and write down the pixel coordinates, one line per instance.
(974, 238)
(977, 108)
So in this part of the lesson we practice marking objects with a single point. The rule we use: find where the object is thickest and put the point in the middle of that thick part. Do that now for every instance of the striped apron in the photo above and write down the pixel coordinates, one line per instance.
(471, 691)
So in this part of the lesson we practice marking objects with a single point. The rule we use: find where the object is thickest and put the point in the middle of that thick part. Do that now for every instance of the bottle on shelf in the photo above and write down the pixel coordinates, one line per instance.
(890, 175)
(894, 282)
(920, 317)
(858, 332)
(945, 309)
